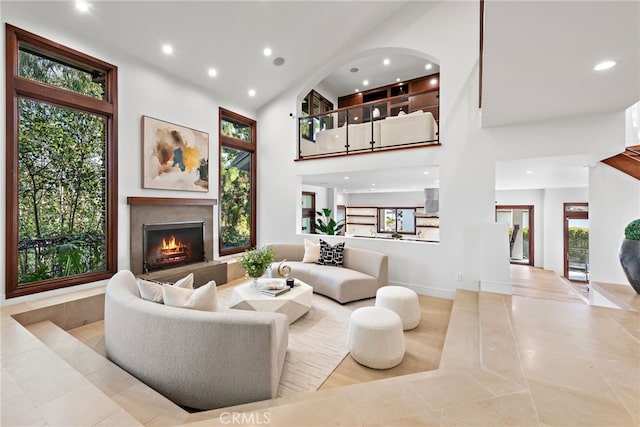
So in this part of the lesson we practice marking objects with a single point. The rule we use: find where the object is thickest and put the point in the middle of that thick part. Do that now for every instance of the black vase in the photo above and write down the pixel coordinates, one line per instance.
(630, 260)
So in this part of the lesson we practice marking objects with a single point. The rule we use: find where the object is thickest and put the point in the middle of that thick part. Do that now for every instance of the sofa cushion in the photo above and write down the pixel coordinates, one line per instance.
(311, 251)
(152, 291)
(331, 255)
(204, 298)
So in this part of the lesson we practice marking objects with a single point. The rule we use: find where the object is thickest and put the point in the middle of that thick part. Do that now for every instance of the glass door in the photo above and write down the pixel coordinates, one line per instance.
(576, 241)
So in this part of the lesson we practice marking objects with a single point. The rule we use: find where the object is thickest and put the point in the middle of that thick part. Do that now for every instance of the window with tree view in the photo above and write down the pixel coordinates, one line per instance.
(237, 182)
(61, 198)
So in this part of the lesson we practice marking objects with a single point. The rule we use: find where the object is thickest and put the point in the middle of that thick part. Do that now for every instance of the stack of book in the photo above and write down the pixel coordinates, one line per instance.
(275, 292)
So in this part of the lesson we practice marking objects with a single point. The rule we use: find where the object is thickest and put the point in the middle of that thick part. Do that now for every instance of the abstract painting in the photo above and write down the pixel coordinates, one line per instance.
(174, 157)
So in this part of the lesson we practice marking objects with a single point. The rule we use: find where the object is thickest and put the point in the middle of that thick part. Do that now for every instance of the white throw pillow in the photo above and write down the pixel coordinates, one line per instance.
(152, 291)
(311, 251)
(204, 298)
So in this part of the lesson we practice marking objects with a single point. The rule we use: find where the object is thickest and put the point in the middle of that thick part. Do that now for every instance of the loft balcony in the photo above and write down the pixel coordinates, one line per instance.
(403, 121)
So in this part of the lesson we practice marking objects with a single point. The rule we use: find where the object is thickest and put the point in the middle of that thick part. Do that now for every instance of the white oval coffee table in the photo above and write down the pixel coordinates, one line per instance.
(294, 303)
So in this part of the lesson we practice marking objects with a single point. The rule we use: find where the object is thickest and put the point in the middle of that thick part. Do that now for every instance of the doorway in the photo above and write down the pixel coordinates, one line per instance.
(576, 241)
(308, 212)
(520, 220)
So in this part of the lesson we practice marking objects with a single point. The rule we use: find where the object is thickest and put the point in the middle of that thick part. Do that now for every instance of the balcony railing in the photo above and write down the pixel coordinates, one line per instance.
(390, 123)
(58, 256)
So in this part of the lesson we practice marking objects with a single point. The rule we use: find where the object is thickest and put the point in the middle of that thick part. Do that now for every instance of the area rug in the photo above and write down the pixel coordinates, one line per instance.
(317, 343)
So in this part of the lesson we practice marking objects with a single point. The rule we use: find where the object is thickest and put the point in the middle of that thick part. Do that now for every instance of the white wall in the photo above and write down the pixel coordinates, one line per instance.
(554, 200)
(141, 91)
(448, 33)
(614, 201)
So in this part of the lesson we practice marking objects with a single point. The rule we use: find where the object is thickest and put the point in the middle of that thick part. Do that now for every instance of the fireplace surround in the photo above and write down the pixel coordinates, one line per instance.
(158, 212)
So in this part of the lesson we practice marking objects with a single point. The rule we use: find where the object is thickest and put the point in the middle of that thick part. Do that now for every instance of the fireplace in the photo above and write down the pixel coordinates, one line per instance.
(171, 244)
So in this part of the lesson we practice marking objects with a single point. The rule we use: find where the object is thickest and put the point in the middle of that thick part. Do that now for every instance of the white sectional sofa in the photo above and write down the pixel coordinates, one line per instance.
(197, 359)
(363, 272)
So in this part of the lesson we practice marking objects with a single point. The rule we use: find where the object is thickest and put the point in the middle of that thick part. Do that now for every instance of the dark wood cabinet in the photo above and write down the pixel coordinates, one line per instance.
(422, 93)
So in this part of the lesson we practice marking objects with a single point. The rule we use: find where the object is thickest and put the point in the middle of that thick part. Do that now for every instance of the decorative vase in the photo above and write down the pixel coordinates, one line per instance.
(630, 261)
(255, 284)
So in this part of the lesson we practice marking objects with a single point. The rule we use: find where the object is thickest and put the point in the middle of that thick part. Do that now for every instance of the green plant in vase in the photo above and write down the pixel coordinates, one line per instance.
(630, 254)
(255, 262)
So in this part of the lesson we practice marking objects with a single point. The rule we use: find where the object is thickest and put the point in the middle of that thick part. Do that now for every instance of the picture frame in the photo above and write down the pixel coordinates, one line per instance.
(174, 157)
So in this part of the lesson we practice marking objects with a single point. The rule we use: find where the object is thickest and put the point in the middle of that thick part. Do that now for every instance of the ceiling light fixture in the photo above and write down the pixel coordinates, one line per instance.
(252, 92)
(278, 61)
(398, 79)
(365, 83)
(212, 72)
(357, 90)
(167, 49)
(346, 177)
(386, 61)
(604, 65)
(433, 81)
(529, 172)
(428, 66)
(426, 173)
(82, 6)
(354, 70)
(267, 51)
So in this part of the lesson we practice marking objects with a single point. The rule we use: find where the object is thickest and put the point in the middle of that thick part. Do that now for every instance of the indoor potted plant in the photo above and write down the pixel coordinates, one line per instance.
(255, 262)
(630, 253)
(326, 224)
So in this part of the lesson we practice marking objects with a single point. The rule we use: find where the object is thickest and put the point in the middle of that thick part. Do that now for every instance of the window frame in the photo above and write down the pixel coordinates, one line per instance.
(252, 148)
(395, 209)
(19, 87)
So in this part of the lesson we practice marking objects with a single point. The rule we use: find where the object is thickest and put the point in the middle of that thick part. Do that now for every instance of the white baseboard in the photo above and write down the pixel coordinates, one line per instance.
(428, 290)
(496, 287)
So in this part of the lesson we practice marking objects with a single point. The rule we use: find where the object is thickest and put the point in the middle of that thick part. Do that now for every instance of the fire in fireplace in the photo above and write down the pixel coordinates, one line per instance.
(172, 244)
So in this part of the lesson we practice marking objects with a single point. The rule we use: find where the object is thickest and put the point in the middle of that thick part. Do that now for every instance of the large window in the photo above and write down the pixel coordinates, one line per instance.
(237, 183)
(61, 166)
(397, 220)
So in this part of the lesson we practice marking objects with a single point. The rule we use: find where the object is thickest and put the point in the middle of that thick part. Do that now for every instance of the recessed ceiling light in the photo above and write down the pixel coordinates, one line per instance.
(252, 92)
(373, 185)
(398, 79)
(278, 61)
(213, 72)
(167, 49)
(529, 172)
(267, 51)
(365, 83)
(604, 65)
(82, 6)
(346, 177)
(428, 66)
(426, 172)
(386, 61)
(357, 90)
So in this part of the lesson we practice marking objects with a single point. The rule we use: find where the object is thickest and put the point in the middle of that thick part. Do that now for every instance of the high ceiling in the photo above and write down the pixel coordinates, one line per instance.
(538, 55)
(229, 36)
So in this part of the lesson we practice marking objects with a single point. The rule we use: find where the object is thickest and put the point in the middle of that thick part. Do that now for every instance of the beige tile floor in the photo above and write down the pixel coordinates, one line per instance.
(507, 360)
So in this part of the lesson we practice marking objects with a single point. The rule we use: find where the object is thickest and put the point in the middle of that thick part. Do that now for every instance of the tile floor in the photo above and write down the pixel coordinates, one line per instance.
(507, 360)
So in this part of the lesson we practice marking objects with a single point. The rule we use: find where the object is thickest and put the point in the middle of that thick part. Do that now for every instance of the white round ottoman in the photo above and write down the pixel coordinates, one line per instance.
(403, 301)
(376, 339)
